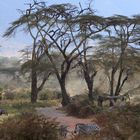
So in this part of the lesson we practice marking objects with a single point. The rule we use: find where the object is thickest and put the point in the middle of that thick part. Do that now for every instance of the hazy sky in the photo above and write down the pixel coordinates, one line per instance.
(9, 13)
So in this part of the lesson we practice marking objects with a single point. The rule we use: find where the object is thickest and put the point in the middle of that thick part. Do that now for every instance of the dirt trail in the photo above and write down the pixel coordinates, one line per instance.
(61, 117)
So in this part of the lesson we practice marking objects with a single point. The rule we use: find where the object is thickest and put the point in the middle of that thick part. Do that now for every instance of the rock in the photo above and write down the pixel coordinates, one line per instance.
(2, 111)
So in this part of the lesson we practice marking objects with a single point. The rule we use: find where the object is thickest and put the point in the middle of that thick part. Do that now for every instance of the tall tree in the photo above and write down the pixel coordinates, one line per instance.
(61, 36)
(27, 24)
(90, 27)
(116, 49)
(51, 27)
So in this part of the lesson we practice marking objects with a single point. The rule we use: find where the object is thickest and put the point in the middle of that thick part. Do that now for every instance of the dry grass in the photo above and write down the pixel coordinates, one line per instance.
(29, 127)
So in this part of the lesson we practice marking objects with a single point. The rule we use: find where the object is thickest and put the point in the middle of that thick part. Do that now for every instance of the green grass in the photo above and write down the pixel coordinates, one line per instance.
(17, 107)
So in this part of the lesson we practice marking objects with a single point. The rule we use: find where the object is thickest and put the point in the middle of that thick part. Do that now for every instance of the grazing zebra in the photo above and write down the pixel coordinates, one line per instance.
(86, 128)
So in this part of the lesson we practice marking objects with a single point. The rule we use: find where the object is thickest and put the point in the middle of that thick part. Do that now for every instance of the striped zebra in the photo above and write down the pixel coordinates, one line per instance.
(86, 128)
(63, 131)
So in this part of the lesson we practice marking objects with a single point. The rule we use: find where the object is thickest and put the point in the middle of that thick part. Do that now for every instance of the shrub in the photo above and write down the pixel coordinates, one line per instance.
(22, 93)
(53, 102)
(82, 109)
(121, 123)
(43, 95)
(9, 94)
(49, 95)
(29, 127)
(16, 93)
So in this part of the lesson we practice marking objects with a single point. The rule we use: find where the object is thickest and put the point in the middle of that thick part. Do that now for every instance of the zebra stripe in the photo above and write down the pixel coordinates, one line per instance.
(86, 128)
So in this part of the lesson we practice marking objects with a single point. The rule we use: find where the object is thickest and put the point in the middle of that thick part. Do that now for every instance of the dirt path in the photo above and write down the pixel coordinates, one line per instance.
(61, 117)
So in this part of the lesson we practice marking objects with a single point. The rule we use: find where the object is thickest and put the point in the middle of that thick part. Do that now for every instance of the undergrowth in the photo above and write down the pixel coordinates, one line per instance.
(29, 127)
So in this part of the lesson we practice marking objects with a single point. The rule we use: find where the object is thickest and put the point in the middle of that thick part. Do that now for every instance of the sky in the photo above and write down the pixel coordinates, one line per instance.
(9, 12)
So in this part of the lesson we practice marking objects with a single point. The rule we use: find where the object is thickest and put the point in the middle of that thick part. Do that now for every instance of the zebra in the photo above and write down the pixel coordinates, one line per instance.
(86, 128)
(63, 130)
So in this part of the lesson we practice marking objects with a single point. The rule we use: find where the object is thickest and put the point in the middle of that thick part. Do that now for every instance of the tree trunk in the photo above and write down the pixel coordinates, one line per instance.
(112, 83)
(65, 96)
(34, 91)
(90, 90)
(89, 82)
(100, 101)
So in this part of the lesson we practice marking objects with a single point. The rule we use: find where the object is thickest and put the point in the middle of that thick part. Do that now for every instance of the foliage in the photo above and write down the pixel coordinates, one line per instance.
(124, 127)
(9, 95)
(29, 127)
(83, 108)
(17, 93)
(53, 102)
(16, 107)
(49, 95)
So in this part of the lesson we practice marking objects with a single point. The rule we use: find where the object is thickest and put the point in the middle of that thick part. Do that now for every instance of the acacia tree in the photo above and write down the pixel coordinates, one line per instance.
(93, 25)
(62, 36)
(116, 50)
(34, 63)
(51, 27)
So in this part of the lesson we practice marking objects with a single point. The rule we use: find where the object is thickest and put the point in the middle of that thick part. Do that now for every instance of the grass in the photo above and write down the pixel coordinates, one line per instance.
(17, 107)
(119, 124)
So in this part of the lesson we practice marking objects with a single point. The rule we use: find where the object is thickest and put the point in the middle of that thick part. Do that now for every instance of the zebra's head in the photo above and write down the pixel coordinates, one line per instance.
(77, 127)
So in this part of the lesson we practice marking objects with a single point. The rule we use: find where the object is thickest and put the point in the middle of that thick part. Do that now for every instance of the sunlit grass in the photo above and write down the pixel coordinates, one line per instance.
(17, 107)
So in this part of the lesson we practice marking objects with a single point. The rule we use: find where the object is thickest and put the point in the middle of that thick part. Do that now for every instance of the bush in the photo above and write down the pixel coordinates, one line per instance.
(49, 95)
(29, 127)
(9, 94)
(117, 124)
(82, 109)
(121, 123)
(53, 102)
(22, 93)
(17, 93)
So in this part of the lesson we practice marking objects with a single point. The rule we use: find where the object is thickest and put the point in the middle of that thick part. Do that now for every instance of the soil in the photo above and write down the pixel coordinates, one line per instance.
(62, 117)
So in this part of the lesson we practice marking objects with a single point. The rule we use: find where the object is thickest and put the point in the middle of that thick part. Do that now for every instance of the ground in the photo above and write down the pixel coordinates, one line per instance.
(62, 117)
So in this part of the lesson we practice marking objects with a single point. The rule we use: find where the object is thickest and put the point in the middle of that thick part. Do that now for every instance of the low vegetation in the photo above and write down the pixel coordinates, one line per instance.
(82, 107)
(117, 124)
(29, 127)
(17, 101)
(47, 94)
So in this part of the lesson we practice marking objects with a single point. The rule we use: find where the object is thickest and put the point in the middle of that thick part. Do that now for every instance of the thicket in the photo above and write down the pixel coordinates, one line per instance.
(29, 127)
